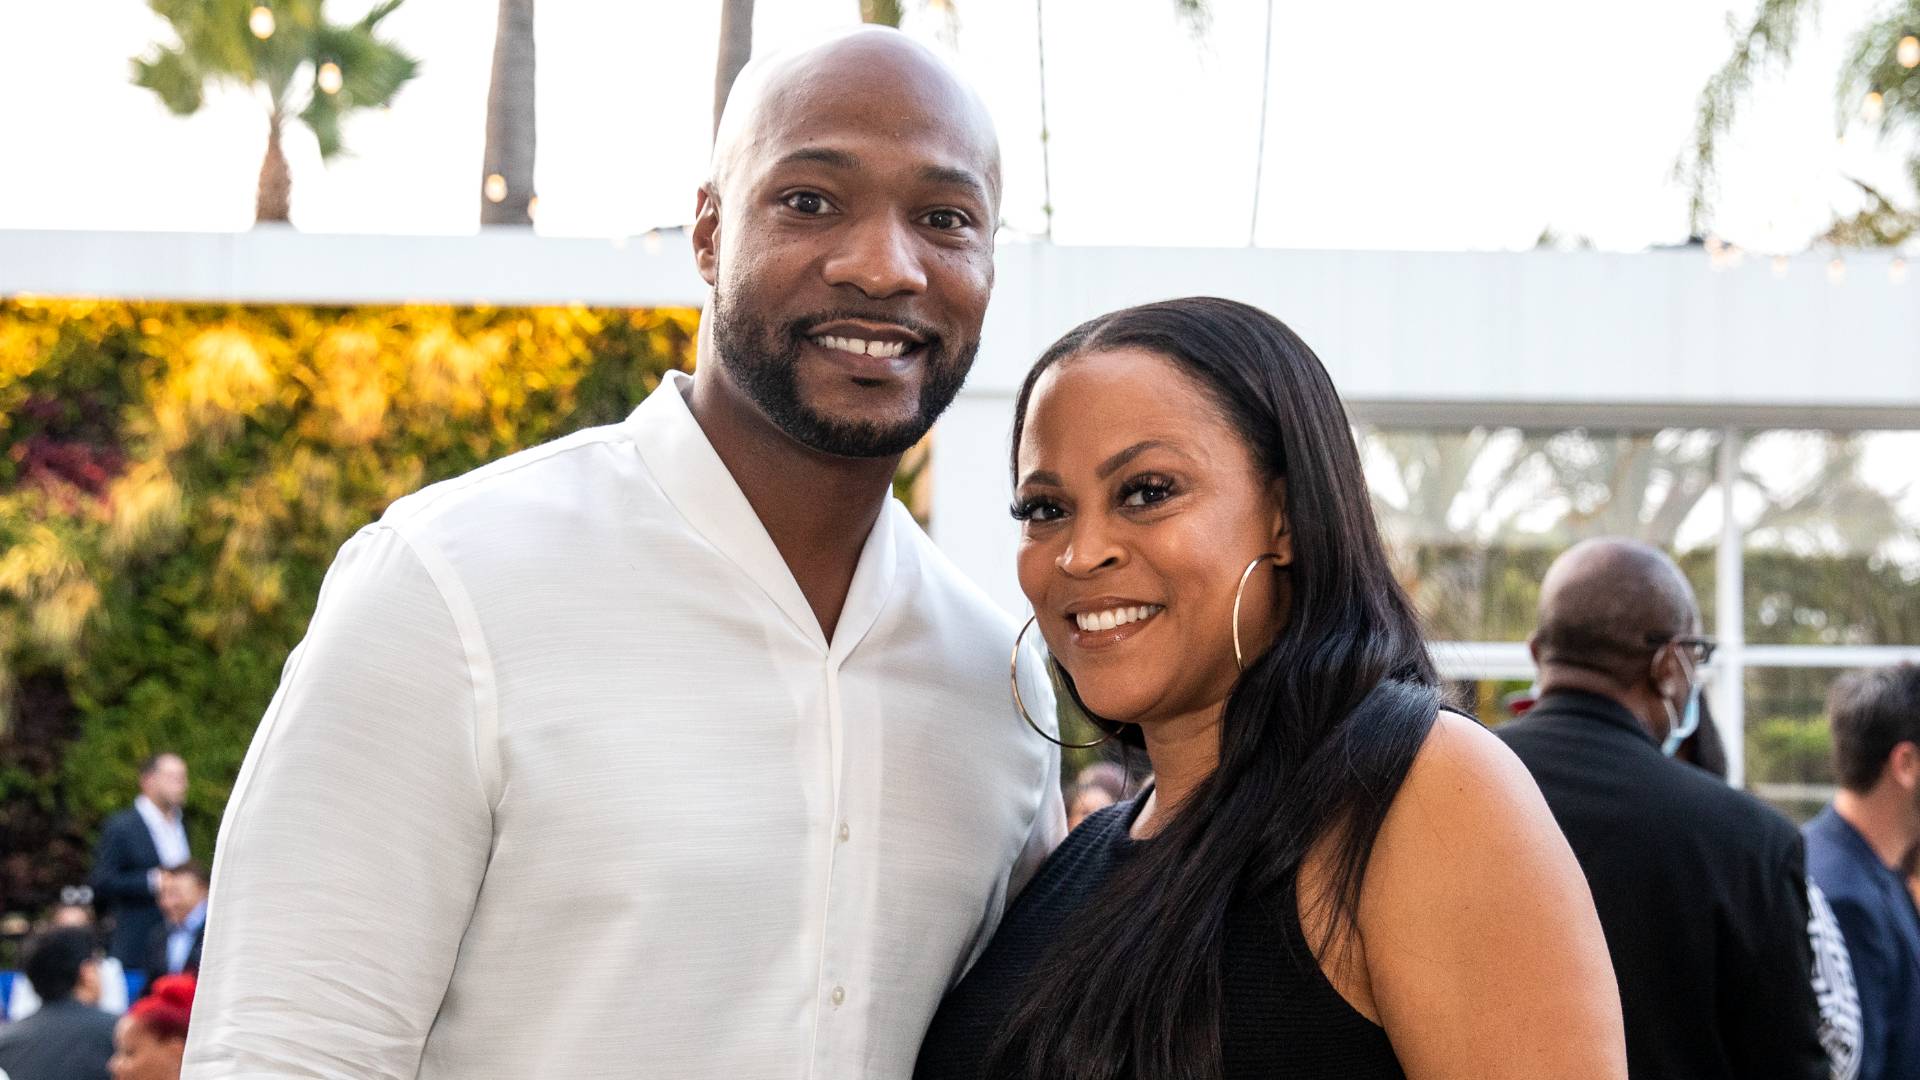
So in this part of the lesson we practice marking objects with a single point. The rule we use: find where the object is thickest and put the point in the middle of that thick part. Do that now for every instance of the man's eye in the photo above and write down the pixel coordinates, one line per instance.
(946, 220)
(807, 202)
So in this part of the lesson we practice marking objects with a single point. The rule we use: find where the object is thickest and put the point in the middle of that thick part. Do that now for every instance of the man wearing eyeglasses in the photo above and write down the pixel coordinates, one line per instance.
(1701, 889)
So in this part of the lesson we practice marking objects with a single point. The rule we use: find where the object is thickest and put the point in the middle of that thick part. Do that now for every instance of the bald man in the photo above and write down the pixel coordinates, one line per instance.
(1701, 889)
(673, 748)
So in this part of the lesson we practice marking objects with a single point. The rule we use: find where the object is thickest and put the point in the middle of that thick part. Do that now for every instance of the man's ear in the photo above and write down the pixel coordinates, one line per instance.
(706, 233)
(1904, 764)
(1282, 529)
(1669, 672)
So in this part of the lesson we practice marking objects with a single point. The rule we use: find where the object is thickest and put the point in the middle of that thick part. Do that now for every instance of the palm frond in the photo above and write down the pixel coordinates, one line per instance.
(1769, 39)
(170, 75)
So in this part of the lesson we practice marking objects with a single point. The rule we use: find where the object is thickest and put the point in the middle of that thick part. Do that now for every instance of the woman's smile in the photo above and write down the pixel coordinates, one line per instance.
(1104, 622)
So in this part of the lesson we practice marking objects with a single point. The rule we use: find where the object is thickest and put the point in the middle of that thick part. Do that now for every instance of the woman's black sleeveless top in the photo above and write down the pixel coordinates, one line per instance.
(1283, 1020)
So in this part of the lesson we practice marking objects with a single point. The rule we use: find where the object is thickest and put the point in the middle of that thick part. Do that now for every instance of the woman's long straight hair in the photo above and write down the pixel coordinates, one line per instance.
(1317, 737)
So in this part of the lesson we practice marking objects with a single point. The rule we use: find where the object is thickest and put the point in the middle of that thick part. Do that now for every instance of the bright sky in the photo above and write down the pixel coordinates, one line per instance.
(1399, 124)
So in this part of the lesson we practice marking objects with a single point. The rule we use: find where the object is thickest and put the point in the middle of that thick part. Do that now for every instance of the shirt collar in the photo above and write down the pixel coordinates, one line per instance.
(697, 483)
(1597, 707)
(196, 918)
(151, 812)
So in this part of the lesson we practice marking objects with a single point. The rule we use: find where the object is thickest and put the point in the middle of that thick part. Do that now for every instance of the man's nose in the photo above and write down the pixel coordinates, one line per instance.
(879, 256)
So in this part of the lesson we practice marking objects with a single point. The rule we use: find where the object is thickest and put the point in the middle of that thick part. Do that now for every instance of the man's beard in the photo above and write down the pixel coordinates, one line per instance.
(764, 362)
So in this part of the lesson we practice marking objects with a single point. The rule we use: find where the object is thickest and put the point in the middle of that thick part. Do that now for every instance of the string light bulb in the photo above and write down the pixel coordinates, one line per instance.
(1837, 270)
(260, 21)
(1780, 265)
(1908, 52)
(1897, 270)
(533, 207)
(495, 188)
(329, 78)
(1873, 107)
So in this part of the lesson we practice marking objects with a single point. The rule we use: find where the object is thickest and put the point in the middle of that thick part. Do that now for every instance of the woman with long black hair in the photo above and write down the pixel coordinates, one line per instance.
(1330, 877)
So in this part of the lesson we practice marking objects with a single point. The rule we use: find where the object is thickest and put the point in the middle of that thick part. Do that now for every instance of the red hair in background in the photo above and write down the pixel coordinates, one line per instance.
(167, 1007)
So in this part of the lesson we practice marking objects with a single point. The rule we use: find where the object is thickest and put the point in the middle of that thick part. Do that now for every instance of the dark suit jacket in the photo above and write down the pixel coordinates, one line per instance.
(156, 963)
(65, 1040)
(1877, 917)
(1701, 891)
(120, 864)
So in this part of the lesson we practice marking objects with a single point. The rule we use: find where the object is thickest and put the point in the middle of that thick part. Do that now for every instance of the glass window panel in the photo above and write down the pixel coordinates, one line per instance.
(1475, 516)
(1789, 748)
(1832, 537)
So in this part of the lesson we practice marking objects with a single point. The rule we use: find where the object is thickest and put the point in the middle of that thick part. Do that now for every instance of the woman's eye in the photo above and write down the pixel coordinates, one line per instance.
(1145, 493)
(1036, 510)
(807, 202)
(946, 220)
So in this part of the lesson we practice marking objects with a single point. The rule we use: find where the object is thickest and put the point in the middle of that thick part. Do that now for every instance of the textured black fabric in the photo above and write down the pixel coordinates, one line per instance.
(1283, 1020)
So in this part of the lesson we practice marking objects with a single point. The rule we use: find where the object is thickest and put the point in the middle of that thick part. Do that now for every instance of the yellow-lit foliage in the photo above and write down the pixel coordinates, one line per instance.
(175, 479)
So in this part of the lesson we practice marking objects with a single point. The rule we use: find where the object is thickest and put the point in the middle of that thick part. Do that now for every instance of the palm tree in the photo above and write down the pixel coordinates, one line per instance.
(736, 48)
(1877, 82)
(506, 185)
(304, 68)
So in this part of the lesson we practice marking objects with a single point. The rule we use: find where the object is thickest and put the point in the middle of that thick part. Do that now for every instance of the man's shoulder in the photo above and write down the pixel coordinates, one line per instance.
(1839, 861)
(564, 471)
(945, 591)
(124, 818)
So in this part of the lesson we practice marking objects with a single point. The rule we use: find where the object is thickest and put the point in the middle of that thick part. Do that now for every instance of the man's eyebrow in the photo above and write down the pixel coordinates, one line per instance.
(821, 155)
(956, 177)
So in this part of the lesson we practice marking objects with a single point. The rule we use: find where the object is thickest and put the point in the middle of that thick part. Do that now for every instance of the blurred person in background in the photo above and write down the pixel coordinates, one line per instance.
(71, 914)
(1858, 849)
(149, 1042)
(135, 845)
(1702, 890)
(1083, 800)
(68, 1038)
(175, 946)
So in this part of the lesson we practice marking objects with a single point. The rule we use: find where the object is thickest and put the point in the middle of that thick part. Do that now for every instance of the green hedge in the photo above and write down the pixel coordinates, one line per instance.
(174, 481)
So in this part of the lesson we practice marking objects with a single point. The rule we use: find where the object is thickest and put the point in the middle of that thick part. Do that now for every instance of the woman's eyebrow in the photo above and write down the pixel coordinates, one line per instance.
(1113, 464)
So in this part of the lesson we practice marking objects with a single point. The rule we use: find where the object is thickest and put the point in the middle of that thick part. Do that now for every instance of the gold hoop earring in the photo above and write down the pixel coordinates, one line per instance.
(1245, 575)
(1013, 679)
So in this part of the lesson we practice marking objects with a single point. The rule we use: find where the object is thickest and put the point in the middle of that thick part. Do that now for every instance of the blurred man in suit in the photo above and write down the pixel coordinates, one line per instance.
(68, 1038)
(136, 844)
(175, 945)
(1701, 889)
(1858, 850)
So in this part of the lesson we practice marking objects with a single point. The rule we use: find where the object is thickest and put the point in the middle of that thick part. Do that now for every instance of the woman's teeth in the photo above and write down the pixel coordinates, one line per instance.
(1112, 617)
(885, 350)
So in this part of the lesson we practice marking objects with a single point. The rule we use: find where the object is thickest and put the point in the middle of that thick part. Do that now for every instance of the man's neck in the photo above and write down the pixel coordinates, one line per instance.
(1883, 817)
(818, 509)
(1557, 678)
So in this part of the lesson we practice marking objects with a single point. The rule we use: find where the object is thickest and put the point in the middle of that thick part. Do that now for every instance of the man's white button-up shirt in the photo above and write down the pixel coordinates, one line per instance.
(565, 781)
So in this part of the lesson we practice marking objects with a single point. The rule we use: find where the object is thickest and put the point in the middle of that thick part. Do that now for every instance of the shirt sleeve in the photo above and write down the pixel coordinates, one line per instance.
(1048, 829)
(355, 841)
(1772, 1022)
(1873, 974)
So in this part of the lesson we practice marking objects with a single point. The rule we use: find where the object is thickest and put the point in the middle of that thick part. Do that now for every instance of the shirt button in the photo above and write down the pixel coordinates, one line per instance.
(845, 832)
(839, 995)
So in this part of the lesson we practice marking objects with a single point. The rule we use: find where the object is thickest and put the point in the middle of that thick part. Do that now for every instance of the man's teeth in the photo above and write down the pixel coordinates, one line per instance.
(885, 350)
(1112, 617)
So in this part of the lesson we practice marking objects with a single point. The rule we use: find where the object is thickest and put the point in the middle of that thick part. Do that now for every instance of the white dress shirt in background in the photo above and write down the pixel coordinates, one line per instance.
(565, 781)
(169, 833)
